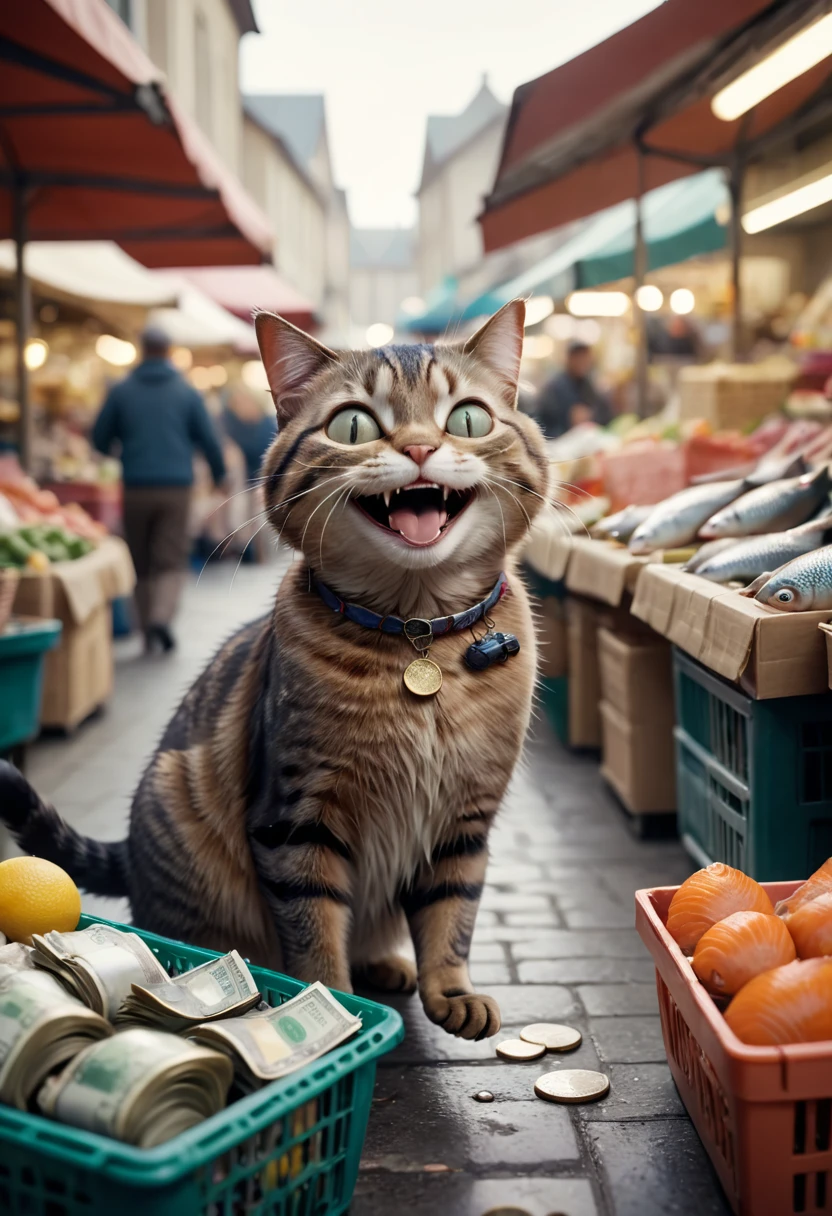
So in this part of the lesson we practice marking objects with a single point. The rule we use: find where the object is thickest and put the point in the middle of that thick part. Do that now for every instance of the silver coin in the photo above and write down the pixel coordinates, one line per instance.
(572, 1085)
(484, 1095)
(516, 1049)
(552, 1036)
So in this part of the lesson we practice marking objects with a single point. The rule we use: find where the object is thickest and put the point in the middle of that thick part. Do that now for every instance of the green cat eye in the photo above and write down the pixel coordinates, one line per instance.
(469, 421)
(353, 425)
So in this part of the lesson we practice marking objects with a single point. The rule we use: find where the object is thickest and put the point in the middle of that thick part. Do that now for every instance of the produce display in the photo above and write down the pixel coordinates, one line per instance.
(772, 966)
(36, 529)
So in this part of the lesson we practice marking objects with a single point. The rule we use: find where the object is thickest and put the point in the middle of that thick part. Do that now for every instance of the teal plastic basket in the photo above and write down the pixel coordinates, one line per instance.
(291, 1149)
(754, 778)
(23, 644)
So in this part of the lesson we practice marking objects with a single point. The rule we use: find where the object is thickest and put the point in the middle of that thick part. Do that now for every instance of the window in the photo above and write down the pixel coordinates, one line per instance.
(202, 74)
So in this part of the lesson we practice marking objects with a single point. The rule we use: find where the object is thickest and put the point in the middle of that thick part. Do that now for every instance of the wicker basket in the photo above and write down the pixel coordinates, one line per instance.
(731, 395)
(9, 579)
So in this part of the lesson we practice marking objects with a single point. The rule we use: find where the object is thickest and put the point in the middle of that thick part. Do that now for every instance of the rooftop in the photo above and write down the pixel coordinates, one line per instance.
(448, 133)
(297, 119)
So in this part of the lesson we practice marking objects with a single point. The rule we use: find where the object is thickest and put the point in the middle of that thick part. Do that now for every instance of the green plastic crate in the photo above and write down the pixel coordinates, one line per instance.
(291, 1149)
(754, 778)
(23, 643)
(554, 692)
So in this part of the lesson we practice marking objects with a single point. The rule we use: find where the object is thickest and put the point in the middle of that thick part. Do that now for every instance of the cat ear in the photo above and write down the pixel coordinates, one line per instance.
(291, 359)
(499, 345)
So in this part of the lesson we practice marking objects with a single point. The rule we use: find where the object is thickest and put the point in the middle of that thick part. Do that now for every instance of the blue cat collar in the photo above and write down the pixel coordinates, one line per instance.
(414, 627)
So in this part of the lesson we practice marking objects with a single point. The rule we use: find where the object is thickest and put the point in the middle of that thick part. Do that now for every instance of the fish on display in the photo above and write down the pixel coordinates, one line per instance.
(776, 468)
(750, 557)
(800, 586)
(676, 521)
(770, 508)
(705, 552)
(623, 524)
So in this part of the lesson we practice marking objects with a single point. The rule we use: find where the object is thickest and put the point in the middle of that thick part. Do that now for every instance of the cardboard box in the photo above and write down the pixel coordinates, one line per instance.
(636, 677)
(827, 633)
(602, 571)
(549, 546)
(733, 396)
(78, 674)
(638, 763)
(769, 653)
(551, 637)
(584, 686)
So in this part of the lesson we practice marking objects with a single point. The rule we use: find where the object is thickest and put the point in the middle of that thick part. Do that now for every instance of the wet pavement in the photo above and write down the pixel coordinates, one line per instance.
(554, 942)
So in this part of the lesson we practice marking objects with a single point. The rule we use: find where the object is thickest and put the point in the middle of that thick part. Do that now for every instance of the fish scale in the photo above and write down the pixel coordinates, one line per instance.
(744, 560)
(770, 508)
(801, 585)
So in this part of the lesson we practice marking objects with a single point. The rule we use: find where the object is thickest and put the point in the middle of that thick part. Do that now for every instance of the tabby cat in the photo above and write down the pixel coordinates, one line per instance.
(303, 806)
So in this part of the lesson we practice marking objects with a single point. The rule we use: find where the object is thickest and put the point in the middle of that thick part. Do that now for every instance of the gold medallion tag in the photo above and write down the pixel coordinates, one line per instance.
(423, 677)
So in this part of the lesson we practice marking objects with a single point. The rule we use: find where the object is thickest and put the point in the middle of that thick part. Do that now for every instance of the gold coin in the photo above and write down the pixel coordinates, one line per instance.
(552, 1036)
(516, 1049)
(423, 677)
(572, 1085)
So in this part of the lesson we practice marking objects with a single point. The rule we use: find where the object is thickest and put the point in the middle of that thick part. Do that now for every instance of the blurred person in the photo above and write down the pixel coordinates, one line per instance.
(160, 421)
(570, 397)
(250, 428)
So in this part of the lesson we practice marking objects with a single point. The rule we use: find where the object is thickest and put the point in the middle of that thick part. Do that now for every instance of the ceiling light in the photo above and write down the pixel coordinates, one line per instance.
(598, 303)
(649, 298)
(412, 305)
(217, 374)
(379, 334)
(181, 358)
(115, 350)
(538, 346)
(561, 326)
(787, 206)
(538, 308)
(588, 331)
(682, 301)
(34, 353)
(789, 61)
(254, 375)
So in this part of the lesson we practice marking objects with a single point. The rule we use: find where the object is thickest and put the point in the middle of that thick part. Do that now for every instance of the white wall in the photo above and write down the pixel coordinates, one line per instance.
(172, 42)
(450, 242)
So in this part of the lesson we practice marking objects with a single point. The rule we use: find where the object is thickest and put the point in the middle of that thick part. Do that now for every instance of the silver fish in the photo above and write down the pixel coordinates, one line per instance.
(775, 469)
(747, 559)
(622, 524)
(676, 521)
(770, 508)
(802, 584)
(705, 552)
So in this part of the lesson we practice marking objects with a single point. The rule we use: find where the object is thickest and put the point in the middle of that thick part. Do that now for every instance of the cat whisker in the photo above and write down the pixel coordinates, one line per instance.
(516, 499)
(332, 494)
(338, 502)
(250, 540)
(227, 539)
(500, 509)
(327, 481)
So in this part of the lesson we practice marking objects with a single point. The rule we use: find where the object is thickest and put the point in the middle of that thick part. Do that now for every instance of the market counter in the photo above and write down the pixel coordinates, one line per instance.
(78, 676)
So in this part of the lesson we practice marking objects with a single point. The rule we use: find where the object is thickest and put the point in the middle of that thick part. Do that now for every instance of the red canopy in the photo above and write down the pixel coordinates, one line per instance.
(570, 147)
(241, 289)
(101, 150)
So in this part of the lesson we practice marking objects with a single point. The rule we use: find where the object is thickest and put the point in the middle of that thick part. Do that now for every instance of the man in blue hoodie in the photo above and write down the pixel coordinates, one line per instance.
(160, 421)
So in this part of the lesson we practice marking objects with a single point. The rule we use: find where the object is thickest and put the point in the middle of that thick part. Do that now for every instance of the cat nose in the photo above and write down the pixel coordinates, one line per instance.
(419, 452)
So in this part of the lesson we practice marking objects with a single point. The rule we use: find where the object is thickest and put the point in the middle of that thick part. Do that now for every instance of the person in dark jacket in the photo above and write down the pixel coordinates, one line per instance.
(160, 421)
(570, 397)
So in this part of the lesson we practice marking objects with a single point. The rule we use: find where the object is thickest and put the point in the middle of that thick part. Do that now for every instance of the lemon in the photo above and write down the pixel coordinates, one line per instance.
(36, 896)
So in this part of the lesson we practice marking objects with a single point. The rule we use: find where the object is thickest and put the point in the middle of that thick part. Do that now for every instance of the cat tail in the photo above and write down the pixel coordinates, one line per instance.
(98, 867)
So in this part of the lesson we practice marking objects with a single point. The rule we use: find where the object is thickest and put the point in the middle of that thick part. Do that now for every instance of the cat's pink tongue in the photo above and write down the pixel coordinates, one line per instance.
(421, 528)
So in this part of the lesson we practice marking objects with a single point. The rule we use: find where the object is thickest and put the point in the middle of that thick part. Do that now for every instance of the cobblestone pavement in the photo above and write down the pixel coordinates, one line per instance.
(554, 942)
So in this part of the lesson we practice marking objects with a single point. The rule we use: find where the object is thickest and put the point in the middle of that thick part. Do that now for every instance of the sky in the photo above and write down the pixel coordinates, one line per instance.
(384, 65)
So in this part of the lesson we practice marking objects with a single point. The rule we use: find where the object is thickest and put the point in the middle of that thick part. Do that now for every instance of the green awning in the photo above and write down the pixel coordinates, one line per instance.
(679, 223)
(442, 308)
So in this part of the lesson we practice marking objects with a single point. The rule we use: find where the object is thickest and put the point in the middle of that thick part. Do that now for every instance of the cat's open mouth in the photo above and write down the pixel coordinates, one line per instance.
(417, 514)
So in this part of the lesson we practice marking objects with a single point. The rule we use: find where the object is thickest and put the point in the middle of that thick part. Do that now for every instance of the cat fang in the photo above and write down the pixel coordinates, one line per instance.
(418, 515)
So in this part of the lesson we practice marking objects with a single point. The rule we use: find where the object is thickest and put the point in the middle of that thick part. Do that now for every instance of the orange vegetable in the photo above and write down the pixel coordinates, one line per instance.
(709, 896)
(791, 1004)
(811, 927)
(819, 884)
(739, 947)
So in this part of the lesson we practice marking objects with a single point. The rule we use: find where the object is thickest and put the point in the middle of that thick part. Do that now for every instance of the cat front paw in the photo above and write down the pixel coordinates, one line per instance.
(393, 974)
(468, 1015)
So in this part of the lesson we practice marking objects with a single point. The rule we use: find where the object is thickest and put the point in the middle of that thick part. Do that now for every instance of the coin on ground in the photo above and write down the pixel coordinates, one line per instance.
(572, 1085)
(552, 1036)
(485, 1095)
(516, 1049)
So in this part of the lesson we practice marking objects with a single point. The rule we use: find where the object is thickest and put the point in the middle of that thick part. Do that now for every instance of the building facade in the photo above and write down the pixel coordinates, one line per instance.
(383, 274)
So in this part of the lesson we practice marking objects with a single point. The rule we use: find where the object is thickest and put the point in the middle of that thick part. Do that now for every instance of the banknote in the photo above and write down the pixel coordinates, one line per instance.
(15, 957)
(41, 1027)
(270, 1043)
(141, 1086)
(98, 964)
(222, 987)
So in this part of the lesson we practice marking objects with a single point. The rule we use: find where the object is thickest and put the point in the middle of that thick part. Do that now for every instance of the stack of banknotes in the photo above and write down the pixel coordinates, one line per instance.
(94, 1032)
